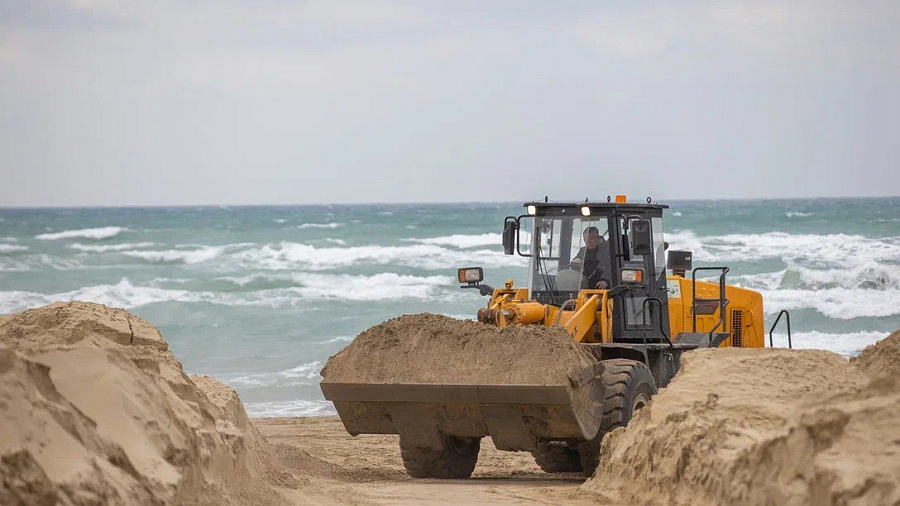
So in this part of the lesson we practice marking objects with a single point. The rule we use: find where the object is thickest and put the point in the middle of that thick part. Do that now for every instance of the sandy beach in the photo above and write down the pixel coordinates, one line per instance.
(367, 469)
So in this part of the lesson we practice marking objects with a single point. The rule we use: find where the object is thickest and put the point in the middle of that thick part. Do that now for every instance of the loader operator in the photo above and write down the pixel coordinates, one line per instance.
(593, 259)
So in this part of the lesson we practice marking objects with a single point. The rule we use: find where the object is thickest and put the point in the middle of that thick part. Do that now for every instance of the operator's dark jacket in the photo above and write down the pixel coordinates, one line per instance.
(596, 264)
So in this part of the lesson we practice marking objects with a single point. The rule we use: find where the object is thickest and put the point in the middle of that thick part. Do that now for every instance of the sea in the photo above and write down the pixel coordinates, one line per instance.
(260, 297)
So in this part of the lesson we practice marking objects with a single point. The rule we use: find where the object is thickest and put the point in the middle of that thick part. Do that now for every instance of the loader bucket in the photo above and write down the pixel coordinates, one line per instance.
(515, 416)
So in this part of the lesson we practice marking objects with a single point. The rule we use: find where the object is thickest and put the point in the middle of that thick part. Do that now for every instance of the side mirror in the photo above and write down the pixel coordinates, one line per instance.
(641, 237)
(510, 232)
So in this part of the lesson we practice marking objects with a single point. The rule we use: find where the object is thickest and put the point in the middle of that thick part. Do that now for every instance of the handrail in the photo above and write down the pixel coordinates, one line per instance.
(661, 309)
(783, 312)
(722, 300)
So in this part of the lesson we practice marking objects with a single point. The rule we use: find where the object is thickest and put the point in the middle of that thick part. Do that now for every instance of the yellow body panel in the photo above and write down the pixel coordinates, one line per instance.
(588, 319)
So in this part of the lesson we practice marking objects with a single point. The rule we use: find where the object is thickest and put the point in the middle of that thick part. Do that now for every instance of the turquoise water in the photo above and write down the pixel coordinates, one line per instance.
(260, 297)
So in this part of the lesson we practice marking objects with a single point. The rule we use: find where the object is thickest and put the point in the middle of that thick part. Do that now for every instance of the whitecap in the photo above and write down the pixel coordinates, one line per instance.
(293, 408)
(837, 303)
(122, 294)
(797, 214)
(338, 339)
(813, 250)
(187, 256)
(304, 374)
(848, 345)
(280, 220)
(676, 213)
(379, 287)
(871, 276)
(87, 233)
(12, 248)
(339, 242)
(288, 255)
(460, 240)
(320, 225)
(104, 248)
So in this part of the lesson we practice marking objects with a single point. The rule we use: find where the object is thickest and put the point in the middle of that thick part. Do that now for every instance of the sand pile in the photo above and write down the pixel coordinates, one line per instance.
(429, 348)
(96, 410)
(742, 426)
(881, 358)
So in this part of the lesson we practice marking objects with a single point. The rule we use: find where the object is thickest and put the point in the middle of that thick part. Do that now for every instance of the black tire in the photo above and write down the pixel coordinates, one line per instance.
(455, 460)
(629, 387)
(556, 459)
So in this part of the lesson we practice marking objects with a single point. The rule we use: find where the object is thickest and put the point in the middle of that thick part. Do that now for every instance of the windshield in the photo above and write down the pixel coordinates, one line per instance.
(570, 254)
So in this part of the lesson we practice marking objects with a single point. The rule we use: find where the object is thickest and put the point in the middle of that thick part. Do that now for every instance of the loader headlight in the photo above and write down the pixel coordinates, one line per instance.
(632, 275)
(532, 210)
(585, 211)
(470, 274)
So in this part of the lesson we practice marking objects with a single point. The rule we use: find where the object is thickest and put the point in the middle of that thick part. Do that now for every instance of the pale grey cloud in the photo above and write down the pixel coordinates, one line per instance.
(113, 102)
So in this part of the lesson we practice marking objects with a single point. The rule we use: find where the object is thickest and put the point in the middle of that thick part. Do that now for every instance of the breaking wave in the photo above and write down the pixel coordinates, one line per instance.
(386, 286)
(86, 233)
(104, 248)
(379, 287)
(461, 240)
(193, 255)
(848, 345)
(293, 408)
(12, 248)
(289, 255)
(304, 374)
(320, 225)
(828, 250)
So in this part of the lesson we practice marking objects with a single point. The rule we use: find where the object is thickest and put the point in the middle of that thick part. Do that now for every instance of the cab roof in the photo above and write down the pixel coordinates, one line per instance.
(552, 206)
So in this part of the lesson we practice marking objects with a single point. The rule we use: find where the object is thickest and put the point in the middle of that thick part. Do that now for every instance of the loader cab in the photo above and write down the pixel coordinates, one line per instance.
(629, 258)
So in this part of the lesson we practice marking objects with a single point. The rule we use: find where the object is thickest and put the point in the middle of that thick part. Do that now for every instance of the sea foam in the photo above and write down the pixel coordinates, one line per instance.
(12, 248)
(86, 233)
(105, 248)
(461, 240)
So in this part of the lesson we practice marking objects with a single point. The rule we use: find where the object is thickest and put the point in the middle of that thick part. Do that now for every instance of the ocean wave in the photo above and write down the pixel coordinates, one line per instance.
(339, 242)
(122, 294)
(12, 248)
(9, 239)
(104, 248)
(289, 255)
(320, 225)
(460, 240)
(871, 276)
(30, 262)
(385, 286)
(848, 345)
(86, 233)
(836, 303)
(379, 287)
(304, 374)
(797, 214)
(338, 339)
(293, 408)
(676, 213)
(187, 256)
(814, 250)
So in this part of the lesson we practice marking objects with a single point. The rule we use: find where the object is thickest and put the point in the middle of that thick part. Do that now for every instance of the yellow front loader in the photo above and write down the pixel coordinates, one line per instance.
(597, 270)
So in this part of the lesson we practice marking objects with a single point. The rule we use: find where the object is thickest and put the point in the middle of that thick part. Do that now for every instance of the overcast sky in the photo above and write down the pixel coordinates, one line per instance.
(290, 102)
